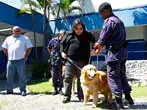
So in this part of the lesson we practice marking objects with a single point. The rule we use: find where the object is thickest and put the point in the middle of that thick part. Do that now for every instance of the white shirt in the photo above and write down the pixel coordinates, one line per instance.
(17, 46)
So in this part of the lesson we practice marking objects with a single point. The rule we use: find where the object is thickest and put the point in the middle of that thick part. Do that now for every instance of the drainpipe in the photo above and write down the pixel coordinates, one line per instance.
(145, 39)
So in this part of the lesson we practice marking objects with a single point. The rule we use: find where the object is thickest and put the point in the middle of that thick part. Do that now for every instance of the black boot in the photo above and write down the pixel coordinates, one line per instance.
(81, 98)
(66, 99)
(129, 99)
(119, 103)
(55, 92)
(61, 92)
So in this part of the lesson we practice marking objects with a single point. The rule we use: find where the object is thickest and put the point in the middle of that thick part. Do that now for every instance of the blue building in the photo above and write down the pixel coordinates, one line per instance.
(135, 20)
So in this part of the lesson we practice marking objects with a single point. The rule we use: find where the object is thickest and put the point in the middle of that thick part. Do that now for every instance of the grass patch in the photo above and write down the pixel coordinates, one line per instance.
(45, 86)
(139, 91)
(40, 86)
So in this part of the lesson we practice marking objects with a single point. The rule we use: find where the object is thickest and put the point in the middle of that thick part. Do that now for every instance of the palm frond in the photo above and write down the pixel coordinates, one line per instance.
(41, 2)
(24, 10)
(32, 3)
(66, 3)
(75, 8)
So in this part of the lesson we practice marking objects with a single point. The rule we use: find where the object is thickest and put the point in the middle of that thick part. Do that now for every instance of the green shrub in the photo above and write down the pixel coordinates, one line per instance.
(40, 69)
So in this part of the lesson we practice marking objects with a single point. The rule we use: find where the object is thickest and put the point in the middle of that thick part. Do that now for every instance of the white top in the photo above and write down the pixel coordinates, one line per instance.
(17, 46)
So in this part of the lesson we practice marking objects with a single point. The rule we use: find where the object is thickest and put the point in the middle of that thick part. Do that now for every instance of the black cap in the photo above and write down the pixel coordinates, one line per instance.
(104, 6)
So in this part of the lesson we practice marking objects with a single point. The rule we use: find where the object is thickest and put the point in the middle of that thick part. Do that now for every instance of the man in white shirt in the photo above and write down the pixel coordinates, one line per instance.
(17, 47)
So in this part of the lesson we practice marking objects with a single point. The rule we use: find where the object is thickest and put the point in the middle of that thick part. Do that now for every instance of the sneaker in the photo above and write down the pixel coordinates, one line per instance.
(129, 99)
(23, 93)
(66, 100)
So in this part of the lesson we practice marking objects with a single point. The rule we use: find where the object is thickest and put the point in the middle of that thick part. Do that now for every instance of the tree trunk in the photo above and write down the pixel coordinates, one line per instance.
(57, 19)
(33, 28)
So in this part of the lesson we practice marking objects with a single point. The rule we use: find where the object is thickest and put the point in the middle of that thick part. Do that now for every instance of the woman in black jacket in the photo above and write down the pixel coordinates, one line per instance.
(76, 46)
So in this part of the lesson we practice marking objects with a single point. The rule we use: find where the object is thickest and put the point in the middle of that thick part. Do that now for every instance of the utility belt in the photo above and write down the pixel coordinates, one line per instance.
(54, 60)
(117, 47)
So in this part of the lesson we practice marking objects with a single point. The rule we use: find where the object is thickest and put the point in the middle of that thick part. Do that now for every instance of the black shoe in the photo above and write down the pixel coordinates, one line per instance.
(66, 100)
(81, 99)
(119, 103)
(129, 99)
(9, 92)
(55, 92)
(23, 93)
(61, 92)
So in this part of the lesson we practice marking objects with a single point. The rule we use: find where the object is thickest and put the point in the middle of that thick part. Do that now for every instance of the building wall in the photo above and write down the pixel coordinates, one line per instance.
(133, 19)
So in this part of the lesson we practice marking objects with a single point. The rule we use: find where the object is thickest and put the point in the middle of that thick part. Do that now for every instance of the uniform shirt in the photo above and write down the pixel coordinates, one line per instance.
(54, 45)
(113, 32)
(55, 56)
(17, 46)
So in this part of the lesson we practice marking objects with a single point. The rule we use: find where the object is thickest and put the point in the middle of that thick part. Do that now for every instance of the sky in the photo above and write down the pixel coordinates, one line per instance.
(15, 3)
(115, 3)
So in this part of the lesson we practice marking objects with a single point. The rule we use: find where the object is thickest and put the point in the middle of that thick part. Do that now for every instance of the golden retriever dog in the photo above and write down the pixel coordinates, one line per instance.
(93, 83)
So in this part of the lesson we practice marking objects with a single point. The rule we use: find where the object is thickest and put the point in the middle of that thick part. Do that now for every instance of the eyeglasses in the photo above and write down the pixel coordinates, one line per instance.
(17, 31)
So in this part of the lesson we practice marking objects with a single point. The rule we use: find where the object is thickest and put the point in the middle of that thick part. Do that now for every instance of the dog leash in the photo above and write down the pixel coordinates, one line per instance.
(71, 61)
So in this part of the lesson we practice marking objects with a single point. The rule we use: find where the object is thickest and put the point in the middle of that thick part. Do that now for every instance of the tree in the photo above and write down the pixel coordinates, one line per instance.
(54, 7)
(65, 7)
(32, 7)
(47, 6)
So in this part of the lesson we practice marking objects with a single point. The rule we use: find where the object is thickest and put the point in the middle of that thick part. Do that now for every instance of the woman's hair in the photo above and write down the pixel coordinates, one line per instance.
(77, 22)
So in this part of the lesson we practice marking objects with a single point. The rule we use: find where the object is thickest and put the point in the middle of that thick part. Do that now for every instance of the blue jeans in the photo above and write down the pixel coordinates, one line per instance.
(13, 67)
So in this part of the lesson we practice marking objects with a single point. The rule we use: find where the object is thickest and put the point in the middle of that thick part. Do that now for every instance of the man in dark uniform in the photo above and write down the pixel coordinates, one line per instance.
(56, 63)
(113, 37)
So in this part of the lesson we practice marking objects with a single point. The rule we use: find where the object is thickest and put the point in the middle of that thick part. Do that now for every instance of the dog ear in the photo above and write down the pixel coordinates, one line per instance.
(97, 74)
(83, 70)
(85, 74)
(102, 76)
(83, 77)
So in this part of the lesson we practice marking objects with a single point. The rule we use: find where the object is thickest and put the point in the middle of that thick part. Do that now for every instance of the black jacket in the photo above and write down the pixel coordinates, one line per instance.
(76, 47)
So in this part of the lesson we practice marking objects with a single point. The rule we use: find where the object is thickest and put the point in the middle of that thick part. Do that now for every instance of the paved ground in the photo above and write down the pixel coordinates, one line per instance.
(49, 102)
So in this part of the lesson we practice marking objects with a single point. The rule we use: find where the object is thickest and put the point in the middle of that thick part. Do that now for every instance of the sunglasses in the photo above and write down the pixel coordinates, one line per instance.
(79, 28)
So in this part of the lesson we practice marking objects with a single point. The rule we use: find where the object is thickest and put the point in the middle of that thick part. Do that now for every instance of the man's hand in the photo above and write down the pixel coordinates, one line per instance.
(26, 58)
(5, 51)
(98, 48)
(64, 55)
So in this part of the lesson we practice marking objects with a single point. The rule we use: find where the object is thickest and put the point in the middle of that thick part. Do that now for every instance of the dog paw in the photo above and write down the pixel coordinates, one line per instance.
(94, 105)
(84, 102)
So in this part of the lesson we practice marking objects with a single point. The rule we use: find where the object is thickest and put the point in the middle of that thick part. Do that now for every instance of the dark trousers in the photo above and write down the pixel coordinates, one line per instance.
(56, 71)
(117, 78)
(68, 78)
